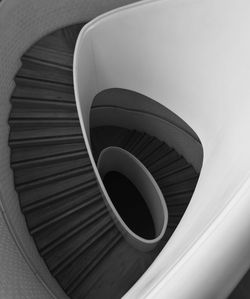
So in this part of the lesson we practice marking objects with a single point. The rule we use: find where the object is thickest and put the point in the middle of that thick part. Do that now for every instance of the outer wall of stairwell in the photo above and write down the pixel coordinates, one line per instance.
(22, 24)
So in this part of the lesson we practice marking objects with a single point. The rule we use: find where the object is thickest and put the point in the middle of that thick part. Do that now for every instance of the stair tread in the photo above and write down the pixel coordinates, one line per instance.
(34, 174)
(76, 271)
(50, 159)
(29, 115)
(47, 72)
(162, 156)
(64, 216)
(124, 262)
(173, 166)
(75, 246)
(29, 196)
(152, 147)
(174, 178)
(50, 178)
(143, 143)
(45, 132)
(57, 208)
(96, 262)
(134, 138)
(181, 187)
(55, 244)
(61, 41)
(26, 88)
(22, 106)
(46, 54)
(99, 139)
(34, 153)
(46, 140)
(65, 194)
(64, 226)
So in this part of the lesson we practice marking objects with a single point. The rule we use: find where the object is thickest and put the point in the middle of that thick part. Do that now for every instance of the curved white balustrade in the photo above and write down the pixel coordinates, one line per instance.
(117, 159)
(114, 107)
(192, 57)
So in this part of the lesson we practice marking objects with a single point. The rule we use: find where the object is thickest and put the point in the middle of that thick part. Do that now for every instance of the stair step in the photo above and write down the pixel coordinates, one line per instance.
(126, 140)
(49, 171)
(57, 177)
(164, 159)
(20, 156)
(143, 143)
(46, 213)
(78, 259)
(152, 147)
(90, 260)
(58, 40)
(37, 90)
(47, 72)
(55, 244)
(99, 139)
(177, 210)
(173, 166)
(133, 140)
(62, 231)
(84, 274)
(127, 263)
(58, 58)
(38, 116)
(46, 132)
(180, 188)
(42, 141)
(178, 199)
(70, 250)
(43, 225)
(26, 105)
(50, 159)
(177, 176)
(68, 226)
(29, 196)
(38, 123)
(71, 33)
(175, 218)
(68, 194)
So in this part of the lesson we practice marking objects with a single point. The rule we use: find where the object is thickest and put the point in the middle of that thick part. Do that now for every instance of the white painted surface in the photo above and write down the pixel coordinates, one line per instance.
(192, 57)
(117, 159)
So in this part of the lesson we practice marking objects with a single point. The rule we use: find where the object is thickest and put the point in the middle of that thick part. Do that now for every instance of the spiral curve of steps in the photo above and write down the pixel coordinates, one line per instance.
(58, 192)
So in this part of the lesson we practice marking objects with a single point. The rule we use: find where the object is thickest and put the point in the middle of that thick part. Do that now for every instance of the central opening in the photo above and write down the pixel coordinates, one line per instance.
(134, 198)
(130, 204)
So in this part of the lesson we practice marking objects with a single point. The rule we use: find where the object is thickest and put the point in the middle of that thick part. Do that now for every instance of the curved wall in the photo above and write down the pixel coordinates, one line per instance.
(131, 110)
(23, 273)
(197, 66)
(117, 159)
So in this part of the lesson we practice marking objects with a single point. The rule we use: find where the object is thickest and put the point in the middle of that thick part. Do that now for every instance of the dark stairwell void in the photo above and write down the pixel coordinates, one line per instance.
(129, 204)
(58, 192)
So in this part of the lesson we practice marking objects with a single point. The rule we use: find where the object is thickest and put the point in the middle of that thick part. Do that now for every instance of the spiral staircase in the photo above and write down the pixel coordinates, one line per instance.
(58, 192)
(62, 234)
